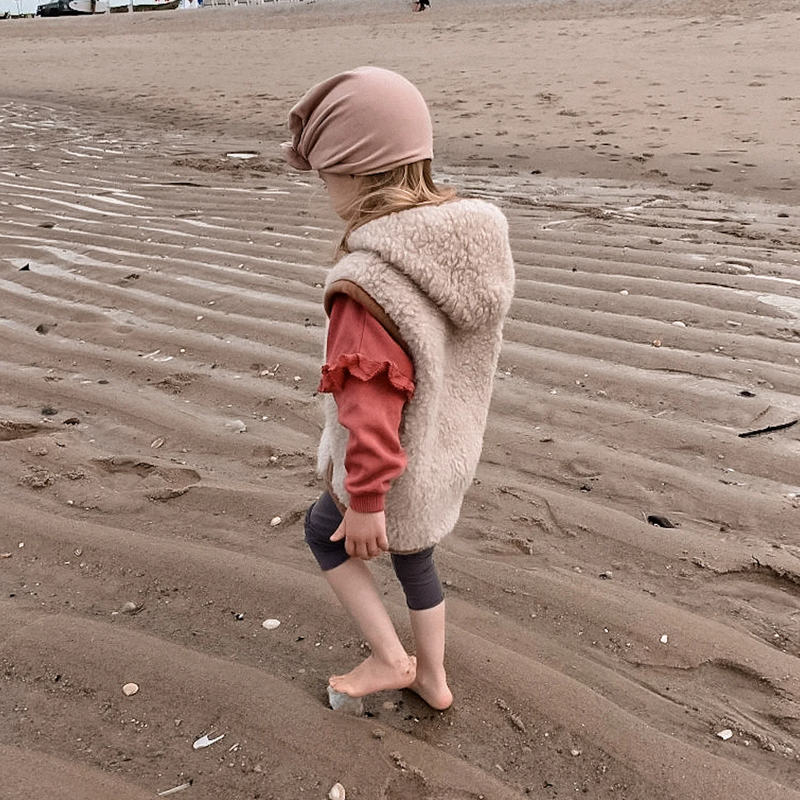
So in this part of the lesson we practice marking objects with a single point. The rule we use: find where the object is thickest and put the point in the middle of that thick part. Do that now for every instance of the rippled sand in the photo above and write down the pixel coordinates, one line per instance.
(160, 341)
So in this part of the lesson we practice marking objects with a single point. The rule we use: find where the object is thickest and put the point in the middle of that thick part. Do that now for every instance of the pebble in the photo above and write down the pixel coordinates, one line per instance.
(664, 639)
(679, 324)
(275, 521)
(236, 425)
(129, 608)
(337, 792)
(339, 701)
(271, 624)
(725, 735)
(129, 689)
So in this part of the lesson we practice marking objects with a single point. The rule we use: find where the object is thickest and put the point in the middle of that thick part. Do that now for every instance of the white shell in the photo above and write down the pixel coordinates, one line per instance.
(205, 741)
(130, 688)
(337, 792)
(271, 624)
(275, 521)
(725, 735)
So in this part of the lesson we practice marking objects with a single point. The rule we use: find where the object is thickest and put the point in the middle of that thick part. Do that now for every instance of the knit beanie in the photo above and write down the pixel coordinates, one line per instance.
(361, 122)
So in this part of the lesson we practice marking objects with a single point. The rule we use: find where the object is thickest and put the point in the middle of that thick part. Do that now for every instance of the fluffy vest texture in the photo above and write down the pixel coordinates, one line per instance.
(444, 277)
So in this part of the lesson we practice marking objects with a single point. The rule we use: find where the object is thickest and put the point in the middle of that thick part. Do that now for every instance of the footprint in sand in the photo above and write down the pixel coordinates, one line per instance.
(155, 482)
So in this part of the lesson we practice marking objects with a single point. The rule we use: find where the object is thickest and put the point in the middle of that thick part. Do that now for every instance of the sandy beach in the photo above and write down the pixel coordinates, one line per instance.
(623, 587)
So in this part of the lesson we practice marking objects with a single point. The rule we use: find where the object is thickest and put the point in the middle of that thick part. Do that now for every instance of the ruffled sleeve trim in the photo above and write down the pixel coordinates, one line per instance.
(364, 369)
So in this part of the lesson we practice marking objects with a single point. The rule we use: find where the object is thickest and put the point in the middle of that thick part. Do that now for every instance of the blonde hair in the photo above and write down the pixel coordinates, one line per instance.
(401, 188)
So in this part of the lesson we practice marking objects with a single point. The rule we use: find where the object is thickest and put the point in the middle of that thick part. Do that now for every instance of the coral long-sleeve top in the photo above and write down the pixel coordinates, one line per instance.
(371, 378)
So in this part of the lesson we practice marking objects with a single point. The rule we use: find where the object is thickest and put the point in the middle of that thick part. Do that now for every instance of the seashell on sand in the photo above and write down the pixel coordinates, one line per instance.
(275, 521)
(337, 792)
(271, 624)
(130, 688)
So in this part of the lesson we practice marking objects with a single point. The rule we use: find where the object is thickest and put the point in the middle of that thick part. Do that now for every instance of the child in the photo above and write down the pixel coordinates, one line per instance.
(416, 306)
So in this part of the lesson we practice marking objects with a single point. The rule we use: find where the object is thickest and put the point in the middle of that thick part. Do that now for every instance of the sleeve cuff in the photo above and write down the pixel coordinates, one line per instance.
(367, 503)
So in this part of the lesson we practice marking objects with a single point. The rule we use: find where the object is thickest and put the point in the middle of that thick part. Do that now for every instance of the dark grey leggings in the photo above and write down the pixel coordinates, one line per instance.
(415, 571)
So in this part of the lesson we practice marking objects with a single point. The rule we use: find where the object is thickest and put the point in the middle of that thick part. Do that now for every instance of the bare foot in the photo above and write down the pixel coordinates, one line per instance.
(433, 689)
(372, 675)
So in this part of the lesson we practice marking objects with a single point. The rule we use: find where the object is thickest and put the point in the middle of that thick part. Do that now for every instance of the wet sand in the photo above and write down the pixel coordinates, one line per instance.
(160, 341)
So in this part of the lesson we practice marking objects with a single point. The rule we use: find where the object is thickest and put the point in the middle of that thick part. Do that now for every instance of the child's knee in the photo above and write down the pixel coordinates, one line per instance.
(420, 580)
(321, 521)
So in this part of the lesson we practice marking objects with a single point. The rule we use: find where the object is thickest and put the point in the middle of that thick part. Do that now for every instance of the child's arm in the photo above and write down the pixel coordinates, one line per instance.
(371, 379)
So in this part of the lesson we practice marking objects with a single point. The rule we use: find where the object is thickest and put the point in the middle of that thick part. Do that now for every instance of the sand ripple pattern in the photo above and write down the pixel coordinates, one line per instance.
(160, 337)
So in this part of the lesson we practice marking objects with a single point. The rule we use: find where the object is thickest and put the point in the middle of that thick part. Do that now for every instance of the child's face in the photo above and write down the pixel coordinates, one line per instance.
(343, 191)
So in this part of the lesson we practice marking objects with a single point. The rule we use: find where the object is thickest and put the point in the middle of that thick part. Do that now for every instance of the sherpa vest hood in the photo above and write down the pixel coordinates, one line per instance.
(444, 277)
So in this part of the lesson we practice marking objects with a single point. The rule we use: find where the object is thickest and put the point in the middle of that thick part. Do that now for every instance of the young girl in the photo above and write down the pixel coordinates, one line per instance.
(416, 306)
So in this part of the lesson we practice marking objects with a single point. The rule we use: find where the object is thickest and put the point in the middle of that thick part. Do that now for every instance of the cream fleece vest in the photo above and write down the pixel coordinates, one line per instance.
(444, 276)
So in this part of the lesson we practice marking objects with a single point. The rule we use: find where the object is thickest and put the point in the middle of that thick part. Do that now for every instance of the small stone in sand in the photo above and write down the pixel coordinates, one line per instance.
(725, 735)
(129, 689)
(271, 624)
(275, 521)
(344, 703)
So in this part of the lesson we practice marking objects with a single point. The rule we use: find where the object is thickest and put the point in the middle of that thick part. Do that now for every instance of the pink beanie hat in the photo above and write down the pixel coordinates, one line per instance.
(360, 122)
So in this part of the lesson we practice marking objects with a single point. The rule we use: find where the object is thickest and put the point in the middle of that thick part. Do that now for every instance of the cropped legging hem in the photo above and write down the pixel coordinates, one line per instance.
(415, 571)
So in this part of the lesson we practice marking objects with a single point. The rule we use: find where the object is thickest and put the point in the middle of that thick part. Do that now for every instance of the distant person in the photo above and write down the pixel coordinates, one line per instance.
(416, 304)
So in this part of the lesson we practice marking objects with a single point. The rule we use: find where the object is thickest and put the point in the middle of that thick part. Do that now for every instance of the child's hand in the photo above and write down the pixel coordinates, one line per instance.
(364, 534)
